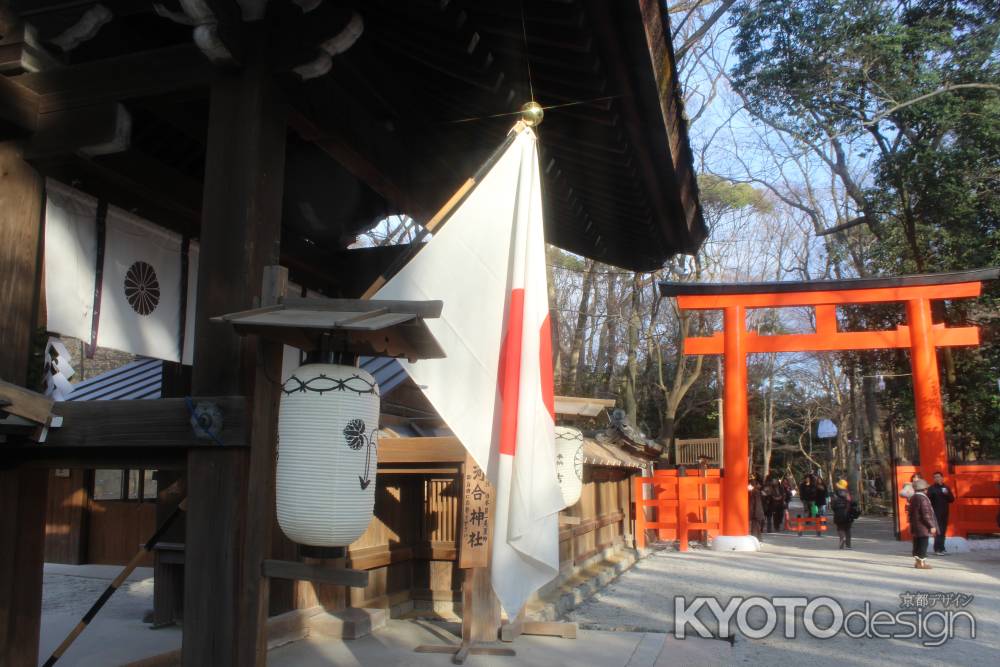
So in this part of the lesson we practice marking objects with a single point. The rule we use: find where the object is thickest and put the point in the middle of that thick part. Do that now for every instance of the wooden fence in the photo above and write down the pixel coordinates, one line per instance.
(977, 499)
(681, 504)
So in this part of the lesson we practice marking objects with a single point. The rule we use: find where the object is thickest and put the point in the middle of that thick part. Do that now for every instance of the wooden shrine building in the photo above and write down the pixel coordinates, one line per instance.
(273, 133)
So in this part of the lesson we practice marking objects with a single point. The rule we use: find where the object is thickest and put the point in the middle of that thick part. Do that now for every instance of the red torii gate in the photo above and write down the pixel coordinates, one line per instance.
(920, 335)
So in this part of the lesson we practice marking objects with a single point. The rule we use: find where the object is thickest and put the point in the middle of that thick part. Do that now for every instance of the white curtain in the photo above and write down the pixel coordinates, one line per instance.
(70, 260)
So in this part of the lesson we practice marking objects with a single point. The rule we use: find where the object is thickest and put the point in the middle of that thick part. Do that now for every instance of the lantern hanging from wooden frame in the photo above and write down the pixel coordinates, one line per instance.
(569, 463)
(327, 454)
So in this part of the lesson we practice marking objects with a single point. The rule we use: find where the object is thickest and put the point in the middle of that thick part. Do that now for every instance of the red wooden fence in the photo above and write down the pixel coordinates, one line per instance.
(977, 499)
(679, 504)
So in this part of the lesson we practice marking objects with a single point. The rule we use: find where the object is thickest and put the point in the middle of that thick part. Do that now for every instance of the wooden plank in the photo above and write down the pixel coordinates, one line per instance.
(480, 607)
(23, 491)
(477, 524)
(139, 425)
(156, 458)
(25, 403)
(283, 569)
(444, 449)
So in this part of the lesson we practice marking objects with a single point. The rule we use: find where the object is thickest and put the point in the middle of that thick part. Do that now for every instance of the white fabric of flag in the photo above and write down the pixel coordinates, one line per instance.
(70, 260)
(494, 388)
(141, 288)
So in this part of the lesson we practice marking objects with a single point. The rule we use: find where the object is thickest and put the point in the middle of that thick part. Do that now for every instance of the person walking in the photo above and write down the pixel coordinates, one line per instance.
(941, 497)
(820, 497)
(923, 524)
(845, 511)
(807, 490)
(777, 502)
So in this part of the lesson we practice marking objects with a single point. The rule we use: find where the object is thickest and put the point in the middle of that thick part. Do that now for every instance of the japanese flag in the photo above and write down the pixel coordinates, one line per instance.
(494, 388)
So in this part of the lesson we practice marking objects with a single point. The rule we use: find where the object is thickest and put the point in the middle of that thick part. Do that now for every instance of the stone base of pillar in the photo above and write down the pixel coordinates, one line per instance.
(735, 543)
(957, 545)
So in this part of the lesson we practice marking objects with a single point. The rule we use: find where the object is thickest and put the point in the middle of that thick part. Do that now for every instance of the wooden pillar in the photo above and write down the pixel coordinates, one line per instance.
(926, 389)
(736, 503)
(22, 492)
(240, 235)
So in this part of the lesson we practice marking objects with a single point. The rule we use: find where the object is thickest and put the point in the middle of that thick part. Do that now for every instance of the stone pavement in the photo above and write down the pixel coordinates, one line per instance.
(394, 644)
(626, 624)
(117, 635)
(878, 570)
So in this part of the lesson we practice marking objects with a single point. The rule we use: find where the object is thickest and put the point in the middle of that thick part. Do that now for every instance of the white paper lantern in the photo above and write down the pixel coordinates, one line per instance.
(327, 454)
(569, 463)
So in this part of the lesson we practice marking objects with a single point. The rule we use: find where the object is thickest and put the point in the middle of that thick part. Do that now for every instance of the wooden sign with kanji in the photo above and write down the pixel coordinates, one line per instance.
(477, 496)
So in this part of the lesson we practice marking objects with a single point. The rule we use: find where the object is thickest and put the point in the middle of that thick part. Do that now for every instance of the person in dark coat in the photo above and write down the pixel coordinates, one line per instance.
(820, 496)
(775, 504)
(941, 497)
(845, 511)
(923, 524)
(807, 494)
(757, 515)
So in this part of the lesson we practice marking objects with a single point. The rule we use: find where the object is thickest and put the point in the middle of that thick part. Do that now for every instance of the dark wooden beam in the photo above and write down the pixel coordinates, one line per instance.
(96, 130)
(135, 182)
(40, 456)
(261, 517)
(139, 425)
(283, 569)
(140, 74)
(331, 138)
(240, 235)
(18, 110)
(22, 491)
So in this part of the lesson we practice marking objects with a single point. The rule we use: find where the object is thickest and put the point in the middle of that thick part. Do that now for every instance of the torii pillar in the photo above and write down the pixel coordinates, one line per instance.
(920, 335)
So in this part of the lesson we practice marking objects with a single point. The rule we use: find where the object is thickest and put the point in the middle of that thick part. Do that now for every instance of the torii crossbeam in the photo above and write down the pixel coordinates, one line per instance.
(920, 335)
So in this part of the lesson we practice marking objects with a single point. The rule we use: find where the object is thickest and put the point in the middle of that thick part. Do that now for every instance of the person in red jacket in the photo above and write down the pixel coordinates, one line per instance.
(923, 524)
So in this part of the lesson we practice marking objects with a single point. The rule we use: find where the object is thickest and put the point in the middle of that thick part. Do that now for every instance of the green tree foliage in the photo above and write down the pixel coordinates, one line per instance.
(911, 89)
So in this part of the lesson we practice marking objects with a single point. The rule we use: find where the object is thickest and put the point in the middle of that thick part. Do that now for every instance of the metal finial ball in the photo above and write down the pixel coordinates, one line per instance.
(532, 113)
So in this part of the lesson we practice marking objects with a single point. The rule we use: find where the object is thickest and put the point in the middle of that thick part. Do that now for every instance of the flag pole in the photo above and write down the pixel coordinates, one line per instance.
(445, 211)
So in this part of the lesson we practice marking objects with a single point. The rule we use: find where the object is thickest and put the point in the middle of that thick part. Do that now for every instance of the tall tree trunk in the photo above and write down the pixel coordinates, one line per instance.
(571, 385)
(631, 364)
(606, 354)
(767, 443)
(879, 445)
(554, 320)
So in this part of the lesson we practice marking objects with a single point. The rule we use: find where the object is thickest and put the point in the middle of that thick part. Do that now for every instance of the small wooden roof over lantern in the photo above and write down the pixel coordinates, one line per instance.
(579, 406)
(352, 326)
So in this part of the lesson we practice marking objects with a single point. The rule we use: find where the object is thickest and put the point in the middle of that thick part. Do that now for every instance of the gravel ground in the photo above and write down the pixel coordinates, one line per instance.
(73, 590)
(878, 570)
(117, 634)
